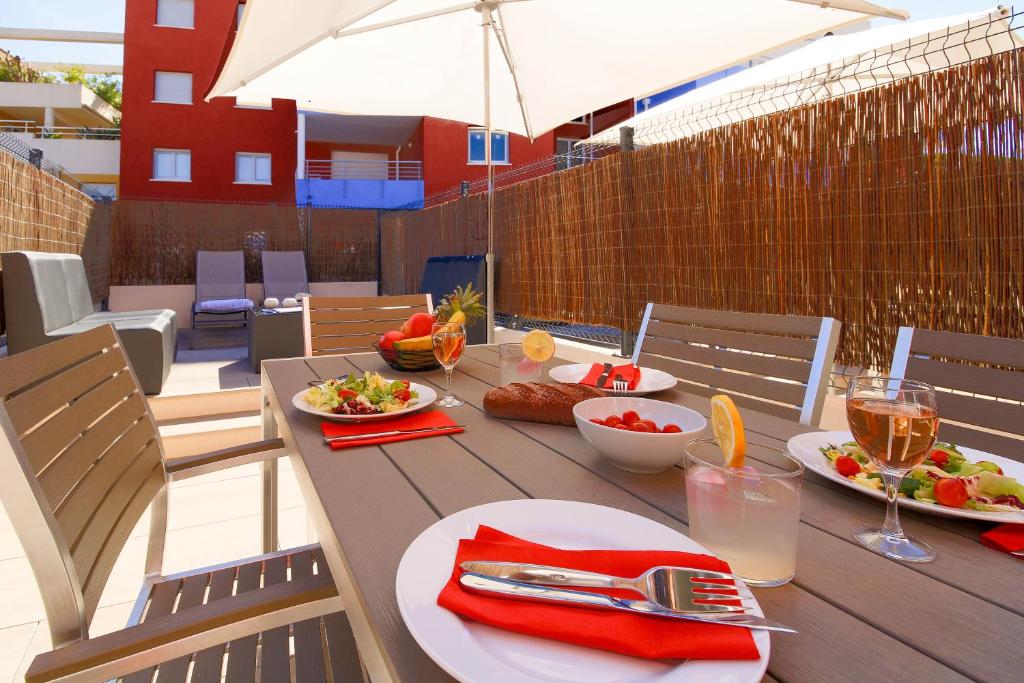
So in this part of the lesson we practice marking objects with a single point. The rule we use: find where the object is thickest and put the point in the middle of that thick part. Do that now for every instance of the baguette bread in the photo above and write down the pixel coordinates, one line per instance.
(548, 403)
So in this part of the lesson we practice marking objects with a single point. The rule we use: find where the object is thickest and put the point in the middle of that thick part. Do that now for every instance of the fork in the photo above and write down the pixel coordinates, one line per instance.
(620, 386)
(674, 588)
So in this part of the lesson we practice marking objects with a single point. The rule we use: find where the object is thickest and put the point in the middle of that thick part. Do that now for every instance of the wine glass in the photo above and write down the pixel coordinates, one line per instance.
(895, 422)
(449, 341)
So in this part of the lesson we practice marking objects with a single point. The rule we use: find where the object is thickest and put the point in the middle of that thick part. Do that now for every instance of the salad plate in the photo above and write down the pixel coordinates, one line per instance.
(471, 651)
(651, 380)
(986, 488)
(368, 397)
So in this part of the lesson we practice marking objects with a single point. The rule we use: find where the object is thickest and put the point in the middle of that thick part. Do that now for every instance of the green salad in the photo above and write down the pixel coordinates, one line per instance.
(368, 394)
(945, 478)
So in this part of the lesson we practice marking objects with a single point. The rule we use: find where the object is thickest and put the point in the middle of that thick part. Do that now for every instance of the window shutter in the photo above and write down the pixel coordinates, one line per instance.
(177, 13)
(172, 86)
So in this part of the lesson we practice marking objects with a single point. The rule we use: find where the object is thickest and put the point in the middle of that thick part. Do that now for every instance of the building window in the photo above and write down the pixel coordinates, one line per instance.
(176, 13)
(238, 15)
(172, 87)
(565, 155)
(173, 165)
(499, 146)
(252, 168)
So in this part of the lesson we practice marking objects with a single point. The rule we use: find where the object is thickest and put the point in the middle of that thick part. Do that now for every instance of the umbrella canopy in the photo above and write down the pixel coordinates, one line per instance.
(828, 67)
(551, 60)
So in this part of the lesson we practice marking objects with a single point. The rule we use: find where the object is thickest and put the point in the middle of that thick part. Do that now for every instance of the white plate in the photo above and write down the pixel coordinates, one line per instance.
(651, 380)
(805, 447)
(470, 651)
(427, 396)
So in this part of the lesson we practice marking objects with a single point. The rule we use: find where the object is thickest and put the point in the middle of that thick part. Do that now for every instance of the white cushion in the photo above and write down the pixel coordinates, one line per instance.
(224, 306)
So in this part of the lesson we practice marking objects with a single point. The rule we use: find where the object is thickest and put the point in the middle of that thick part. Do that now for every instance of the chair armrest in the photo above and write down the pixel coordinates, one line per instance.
(243, 454)
(182, 633)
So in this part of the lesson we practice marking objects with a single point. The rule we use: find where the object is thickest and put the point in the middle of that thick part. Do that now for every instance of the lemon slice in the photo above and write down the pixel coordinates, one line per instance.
(728, 428)
(538, 346)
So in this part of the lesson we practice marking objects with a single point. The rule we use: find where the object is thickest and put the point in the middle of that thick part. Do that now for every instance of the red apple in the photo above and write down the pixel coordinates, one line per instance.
(389, 339)
(418, 325)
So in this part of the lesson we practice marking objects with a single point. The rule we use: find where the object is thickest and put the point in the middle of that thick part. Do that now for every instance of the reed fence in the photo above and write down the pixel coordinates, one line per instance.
(38, 212)
(155, 241)
(898, 205)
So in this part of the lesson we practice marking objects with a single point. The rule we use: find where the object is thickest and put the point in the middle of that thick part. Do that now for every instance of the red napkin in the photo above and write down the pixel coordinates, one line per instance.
(427, 418)
(629, 634)
(1008, 538)
(628, 372)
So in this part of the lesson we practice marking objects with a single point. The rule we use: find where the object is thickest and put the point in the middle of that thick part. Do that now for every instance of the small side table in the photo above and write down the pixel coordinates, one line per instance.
(274, 333)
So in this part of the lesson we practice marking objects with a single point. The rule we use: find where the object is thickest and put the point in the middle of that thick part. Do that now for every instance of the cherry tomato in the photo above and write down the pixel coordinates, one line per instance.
(345, 394)
(612, 421)
(405, 383)
(621, 426)
(403, 395)
(649, 423)
(598, 422)
(641, 426)
(630, 416)
(671, 429)
(950, 492)
(940, 458)
(847, 466)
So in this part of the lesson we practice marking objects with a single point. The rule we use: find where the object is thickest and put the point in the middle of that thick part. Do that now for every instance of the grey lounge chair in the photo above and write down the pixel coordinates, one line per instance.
(47, 297)
(284, 274)
(220, 289)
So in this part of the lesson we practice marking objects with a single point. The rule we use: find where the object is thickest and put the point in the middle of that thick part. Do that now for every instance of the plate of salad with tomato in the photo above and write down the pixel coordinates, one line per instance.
(357, 398)
(954, 481)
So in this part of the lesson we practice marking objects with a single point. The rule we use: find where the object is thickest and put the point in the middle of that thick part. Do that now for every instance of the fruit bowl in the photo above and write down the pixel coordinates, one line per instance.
(638, 451)
(408, 361)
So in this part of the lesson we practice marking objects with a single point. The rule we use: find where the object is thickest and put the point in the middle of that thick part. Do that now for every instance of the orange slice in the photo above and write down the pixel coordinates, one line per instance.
(538, 346)
(728, 428)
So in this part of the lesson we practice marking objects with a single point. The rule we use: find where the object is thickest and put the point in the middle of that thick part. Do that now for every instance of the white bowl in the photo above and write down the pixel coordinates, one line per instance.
(638, 451)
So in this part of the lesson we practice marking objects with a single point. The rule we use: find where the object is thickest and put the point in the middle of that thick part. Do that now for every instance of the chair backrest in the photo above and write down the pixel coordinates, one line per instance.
(351, 324)
(979, 385)
(777, 364)
(42, 292)
(80, 461)
(284, 274)
(220, 275)
(442, 274)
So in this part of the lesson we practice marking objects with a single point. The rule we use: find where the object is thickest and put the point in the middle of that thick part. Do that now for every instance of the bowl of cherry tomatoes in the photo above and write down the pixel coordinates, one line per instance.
(638, 434)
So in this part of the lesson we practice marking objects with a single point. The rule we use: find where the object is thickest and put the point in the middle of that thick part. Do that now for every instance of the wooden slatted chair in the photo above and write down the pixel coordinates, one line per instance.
(979, 385)
(350, 324)
(80, 461)
(776, 364)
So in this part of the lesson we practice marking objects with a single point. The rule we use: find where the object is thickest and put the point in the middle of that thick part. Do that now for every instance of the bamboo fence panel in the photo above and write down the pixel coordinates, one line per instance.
(899, 205)
(155, 242)
(38, 212)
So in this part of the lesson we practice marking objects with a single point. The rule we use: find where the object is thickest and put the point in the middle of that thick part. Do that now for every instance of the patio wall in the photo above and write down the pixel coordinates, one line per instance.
(38, 212)
(899, 205)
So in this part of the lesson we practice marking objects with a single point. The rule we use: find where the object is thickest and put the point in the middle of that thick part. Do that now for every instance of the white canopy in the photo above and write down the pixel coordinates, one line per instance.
(830, 66)
(568, 57)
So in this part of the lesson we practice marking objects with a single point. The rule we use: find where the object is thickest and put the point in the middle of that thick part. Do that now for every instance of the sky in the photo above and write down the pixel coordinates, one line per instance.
(108, 15)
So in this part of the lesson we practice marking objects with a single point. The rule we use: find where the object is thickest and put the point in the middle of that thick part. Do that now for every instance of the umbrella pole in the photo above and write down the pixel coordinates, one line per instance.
(489, 258)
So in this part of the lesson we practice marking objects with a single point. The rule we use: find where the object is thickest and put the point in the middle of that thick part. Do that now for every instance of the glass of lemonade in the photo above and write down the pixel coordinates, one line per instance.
(516, 366)
(895, 422)
(749, 516)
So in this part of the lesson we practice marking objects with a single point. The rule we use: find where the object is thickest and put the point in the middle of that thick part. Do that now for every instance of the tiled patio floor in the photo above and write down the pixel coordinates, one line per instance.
(214, 518)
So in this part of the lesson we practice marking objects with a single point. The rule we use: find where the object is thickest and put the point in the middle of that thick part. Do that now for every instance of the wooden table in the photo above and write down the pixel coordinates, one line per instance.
(861, 616)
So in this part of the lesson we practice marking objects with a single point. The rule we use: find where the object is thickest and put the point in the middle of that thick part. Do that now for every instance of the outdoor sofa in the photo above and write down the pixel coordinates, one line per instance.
(46, 297)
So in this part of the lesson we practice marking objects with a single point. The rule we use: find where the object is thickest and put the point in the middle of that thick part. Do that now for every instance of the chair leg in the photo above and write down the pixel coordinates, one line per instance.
(269, 475)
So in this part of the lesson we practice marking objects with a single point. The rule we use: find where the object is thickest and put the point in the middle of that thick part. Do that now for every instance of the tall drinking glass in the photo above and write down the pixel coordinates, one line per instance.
(895, 422)
(449, 342)
(749, 516)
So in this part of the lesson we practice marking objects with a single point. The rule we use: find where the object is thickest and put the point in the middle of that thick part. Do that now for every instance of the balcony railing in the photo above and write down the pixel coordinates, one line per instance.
(59, 132)
(348, 169)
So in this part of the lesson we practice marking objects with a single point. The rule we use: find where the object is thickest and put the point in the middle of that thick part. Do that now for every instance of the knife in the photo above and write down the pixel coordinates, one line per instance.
(515, 590)
(603, 378)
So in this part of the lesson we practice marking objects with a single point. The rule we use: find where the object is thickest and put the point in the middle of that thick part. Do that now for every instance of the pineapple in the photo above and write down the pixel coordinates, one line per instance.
(461, 306)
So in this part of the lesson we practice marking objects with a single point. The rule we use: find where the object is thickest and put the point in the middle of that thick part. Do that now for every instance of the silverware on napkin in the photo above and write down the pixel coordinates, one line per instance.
(515, 590)
(393, 432)
(672, 588)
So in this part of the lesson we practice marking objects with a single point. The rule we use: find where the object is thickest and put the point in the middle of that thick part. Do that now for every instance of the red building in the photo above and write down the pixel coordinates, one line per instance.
(176, 146)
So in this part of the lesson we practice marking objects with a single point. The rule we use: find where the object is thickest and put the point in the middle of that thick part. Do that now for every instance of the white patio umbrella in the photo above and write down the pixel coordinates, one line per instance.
(827, 67)
(555, 59)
